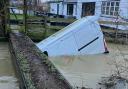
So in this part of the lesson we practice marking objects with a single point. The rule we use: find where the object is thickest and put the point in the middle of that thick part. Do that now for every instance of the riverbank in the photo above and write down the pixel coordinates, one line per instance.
(35, 69)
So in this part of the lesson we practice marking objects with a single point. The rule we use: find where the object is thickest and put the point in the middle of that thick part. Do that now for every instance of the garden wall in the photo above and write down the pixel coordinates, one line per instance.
(36, 71)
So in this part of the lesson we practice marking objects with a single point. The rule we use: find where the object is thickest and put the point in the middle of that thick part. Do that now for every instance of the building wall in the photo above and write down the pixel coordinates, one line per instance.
(83, 0)
(77, 11)
(123, 9)
(74, 9)
(116, 14)
(19, 11)
(64, 10)
(61, 8)
(98, 8)
(16, 11)
(115, 8)
(53, 8)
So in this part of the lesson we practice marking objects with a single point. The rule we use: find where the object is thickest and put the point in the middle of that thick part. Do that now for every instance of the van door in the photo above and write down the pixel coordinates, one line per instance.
(68, 45)
(86, 37)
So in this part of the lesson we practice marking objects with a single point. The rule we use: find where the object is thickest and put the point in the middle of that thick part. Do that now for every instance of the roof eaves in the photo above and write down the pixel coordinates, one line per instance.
(54, 1)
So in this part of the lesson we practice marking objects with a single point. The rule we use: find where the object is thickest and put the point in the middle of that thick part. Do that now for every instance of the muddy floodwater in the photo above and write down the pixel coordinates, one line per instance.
(7, 74)
(88, 70)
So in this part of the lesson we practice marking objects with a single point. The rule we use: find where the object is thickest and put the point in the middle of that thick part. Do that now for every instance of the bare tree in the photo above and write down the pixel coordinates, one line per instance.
(119, 72)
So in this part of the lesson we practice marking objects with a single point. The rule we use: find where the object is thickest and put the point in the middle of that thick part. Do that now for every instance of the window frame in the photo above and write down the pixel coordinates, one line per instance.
(108, 8)
(68, 11)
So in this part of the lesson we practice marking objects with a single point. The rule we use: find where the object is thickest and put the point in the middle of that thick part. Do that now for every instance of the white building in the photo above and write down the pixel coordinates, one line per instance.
(114, 8)
(108, 10)
(115, 11)
(80, 8)
(76, 8)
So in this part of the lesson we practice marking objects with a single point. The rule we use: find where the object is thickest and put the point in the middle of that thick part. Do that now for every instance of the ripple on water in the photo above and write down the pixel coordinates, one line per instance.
(8, 82)
(88, 70)
(7, 74)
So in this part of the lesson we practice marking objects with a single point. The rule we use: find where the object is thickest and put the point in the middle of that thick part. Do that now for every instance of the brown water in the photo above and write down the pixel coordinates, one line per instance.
(7, 75)
(88, 70)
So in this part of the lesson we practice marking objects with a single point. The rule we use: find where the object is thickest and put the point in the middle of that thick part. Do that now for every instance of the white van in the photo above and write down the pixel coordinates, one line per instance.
(84, 36)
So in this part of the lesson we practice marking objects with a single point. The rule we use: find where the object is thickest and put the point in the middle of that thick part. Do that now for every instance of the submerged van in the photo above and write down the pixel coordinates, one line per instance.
(84, 36)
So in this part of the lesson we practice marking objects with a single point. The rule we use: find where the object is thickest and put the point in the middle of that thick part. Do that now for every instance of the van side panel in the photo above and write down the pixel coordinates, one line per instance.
(89, 39)
(64, 46)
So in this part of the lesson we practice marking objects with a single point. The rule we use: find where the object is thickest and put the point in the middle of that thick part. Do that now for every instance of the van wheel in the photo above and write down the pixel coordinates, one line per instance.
(46, 53)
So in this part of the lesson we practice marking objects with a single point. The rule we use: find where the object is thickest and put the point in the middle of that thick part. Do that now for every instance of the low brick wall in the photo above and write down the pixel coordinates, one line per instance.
(37, 71)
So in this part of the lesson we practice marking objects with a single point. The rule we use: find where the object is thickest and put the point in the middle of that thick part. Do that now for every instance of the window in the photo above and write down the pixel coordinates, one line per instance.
(88, 9)
(110, 8)
(69, 9)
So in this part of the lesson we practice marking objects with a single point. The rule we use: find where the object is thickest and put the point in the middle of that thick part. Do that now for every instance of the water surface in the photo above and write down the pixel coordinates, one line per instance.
(88, 70)
(7, 74)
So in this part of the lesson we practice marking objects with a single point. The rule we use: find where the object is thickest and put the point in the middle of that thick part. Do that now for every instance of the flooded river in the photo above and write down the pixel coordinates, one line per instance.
(7, 75)
(87, 71)
(80, 71)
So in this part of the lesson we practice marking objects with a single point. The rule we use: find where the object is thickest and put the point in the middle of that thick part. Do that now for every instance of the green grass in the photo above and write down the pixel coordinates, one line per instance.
(19, 16)
(57, 28)
(68, 20)
(37, 32)
(35, 18)
(36, 36)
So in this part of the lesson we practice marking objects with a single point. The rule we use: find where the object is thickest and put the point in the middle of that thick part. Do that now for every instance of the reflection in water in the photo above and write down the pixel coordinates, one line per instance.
(7, 75)
(88, 70)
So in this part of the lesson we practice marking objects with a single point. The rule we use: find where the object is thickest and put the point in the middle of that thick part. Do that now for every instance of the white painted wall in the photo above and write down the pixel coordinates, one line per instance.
(53, 8)
(77, 8)
(16, 11)
(90, 0)
(65, 10)
(98, 8)
(123, 11)
(60, 8)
